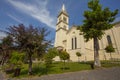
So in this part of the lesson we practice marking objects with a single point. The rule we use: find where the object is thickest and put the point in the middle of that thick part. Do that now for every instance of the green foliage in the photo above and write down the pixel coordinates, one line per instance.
(48, 59)
(17, 58)
(109, 49)
(52, 52)
(78, 54)
(97, 20)
(64, 55)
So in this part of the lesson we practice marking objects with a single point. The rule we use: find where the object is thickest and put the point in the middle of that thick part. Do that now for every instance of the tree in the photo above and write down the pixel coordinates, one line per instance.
(52, 52)
(97, 20)
(78, 55)
(30, 40)
(6, 48)
(110, 49)
(17, 59)
(64, 56)
(48, 61)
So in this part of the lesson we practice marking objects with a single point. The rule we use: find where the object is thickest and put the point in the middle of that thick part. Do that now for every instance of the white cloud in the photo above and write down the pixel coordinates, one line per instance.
(14, 18)
(37, 10)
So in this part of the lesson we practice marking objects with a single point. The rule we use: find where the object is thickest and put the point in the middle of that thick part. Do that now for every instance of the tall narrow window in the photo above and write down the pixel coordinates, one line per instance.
(72, 43)
(75, 43)
(109, 39)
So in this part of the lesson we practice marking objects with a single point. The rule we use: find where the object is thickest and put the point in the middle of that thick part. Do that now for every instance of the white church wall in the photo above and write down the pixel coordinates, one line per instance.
(116, 32)
(60, 37)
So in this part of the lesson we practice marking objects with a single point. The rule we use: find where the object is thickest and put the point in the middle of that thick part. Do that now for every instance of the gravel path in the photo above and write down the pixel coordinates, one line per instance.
(99, 74)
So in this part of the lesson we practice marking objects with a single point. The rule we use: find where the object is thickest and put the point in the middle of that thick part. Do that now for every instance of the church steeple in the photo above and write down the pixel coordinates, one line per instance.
(63, 19)
(61, 28)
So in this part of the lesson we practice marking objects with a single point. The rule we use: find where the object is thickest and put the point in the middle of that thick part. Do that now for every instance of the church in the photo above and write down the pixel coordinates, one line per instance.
(72, 40)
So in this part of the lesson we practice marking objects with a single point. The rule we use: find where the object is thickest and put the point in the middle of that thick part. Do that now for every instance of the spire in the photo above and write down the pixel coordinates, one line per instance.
(63, 11)
(63, 7)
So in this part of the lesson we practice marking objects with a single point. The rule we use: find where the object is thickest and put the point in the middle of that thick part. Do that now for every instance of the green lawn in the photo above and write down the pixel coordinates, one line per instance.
(55, 68)
(108, 64)
(58, 67)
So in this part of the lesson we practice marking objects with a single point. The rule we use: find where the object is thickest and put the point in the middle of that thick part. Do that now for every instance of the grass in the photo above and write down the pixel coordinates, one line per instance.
(55, 68)
(69, 67)
(58, 67)
(108, 64)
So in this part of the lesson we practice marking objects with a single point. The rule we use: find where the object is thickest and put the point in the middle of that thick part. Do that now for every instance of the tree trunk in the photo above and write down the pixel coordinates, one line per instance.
(110, 56)
(78, 59)
(17, 72)
(30, 64)
(3, 58)
(64, 64)
(105, 56)
(96, 53)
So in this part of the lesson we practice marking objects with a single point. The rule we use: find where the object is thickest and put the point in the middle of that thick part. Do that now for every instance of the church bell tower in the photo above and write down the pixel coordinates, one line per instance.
(61, 28)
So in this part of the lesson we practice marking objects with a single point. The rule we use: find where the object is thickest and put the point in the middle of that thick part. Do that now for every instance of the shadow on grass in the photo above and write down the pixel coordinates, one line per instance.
(65, 68)
(24, 72)
(37, 70)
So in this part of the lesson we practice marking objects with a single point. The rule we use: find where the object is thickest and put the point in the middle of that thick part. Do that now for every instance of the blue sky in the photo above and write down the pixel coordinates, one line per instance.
(44, 12)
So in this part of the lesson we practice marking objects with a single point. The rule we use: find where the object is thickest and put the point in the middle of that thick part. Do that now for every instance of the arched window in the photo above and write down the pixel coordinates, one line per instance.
(109, 39)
